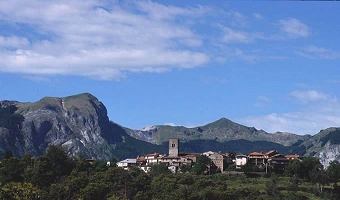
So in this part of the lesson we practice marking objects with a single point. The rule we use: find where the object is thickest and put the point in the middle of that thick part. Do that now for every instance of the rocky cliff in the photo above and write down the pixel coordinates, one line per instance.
(325, 145)
(78, 123)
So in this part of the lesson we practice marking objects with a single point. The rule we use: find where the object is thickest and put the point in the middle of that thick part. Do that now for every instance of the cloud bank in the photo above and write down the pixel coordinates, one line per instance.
(319, 111)
(98, 38)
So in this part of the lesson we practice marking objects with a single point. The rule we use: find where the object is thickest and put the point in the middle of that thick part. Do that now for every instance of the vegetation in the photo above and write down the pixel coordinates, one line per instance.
(9, 119)
(56, 176)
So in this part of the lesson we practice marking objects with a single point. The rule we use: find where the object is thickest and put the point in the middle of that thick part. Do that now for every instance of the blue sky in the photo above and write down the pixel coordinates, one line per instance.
(271, 65)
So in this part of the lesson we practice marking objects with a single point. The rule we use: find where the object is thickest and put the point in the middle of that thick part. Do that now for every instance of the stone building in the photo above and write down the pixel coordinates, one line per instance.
(173, 147)
(216, 158)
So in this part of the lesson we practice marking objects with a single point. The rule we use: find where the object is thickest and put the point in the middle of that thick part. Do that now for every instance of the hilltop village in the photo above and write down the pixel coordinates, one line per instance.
(220, 162)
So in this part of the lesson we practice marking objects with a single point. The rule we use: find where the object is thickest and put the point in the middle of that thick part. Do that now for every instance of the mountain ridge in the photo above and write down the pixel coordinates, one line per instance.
(80, 124)
(324, 145)
(222, 130)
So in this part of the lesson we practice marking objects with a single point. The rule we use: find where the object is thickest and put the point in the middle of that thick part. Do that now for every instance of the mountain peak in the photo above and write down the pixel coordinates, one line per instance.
(222, 122)
(83, 96)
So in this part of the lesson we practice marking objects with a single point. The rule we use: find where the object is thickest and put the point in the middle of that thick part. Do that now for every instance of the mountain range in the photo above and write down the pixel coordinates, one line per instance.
(221, 130)
(80, 124)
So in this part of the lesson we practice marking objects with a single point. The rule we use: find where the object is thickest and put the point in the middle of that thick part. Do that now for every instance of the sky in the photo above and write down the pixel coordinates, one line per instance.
(270, 65)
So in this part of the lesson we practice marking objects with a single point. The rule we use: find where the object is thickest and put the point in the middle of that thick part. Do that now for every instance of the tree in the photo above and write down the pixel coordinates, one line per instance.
(100, 165)
(333, 171)
(11, 170)
(81, 165)
(308, 166)
(185, 168)
(319, 177)
(248, 168)
(293, 168)
(94, 191)
(203, 165)
(336, 191)
(69, 188)
(40, 173)
(60, 163)
(159, 169)
(20, 191)
(49, 168)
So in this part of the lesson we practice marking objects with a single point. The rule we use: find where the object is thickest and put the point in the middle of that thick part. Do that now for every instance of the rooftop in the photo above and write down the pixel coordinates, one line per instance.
(129, 160)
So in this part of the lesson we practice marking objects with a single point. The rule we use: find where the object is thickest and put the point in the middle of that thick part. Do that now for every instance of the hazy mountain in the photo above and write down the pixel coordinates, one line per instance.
(221, 130)
(324, 145)
(79, 123)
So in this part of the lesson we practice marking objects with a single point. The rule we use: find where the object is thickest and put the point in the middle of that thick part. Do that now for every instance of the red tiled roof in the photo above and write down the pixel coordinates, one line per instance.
(256, 154)
(271, 152)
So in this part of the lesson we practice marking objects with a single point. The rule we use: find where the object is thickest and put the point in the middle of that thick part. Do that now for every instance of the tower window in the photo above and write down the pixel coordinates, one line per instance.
(173, 145)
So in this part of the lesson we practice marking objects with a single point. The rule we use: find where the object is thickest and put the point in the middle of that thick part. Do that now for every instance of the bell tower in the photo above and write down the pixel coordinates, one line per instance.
(173, 147)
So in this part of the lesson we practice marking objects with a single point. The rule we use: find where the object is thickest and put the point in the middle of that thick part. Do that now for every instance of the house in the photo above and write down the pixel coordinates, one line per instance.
(293, 157)
(278, 162)
(141, 163)
(270, 154)
(257, 158)
(216, 158)
(261, 158)
(191, 156)
(230, 158)
(240, 160)
(152, 159)
(174, 160)
(125, 164)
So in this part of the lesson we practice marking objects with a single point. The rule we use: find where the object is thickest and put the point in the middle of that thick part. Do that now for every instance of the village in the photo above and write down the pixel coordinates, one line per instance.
(175, 160)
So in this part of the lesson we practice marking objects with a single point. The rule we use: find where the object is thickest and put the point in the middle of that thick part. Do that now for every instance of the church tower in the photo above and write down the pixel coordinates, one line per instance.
(173, 147)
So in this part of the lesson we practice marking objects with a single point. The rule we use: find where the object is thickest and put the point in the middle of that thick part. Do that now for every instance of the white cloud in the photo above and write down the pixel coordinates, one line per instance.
(87, 39)
(161, 11)
(294, 27)
(248, 56)
(322, 111)
(319, 52)
(235, 36)
(309, 96)
(295, 122)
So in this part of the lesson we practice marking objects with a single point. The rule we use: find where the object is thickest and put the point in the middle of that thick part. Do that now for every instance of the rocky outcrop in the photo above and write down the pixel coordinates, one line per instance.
(78, 123)
(325, 145)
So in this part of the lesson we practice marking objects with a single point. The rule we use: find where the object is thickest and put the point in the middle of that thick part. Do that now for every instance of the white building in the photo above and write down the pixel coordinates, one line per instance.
(152, 159)
(125, 164)
(240, 161)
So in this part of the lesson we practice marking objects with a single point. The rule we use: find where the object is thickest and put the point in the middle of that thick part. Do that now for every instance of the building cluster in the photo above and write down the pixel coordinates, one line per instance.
(264, 160)
(175, 160)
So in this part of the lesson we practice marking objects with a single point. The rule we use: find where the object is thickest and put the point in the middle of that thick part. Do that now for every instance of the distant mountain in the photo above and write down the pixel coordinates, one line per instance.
(79, 123)
(325, 145)
(221, 130)
(239, 146)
